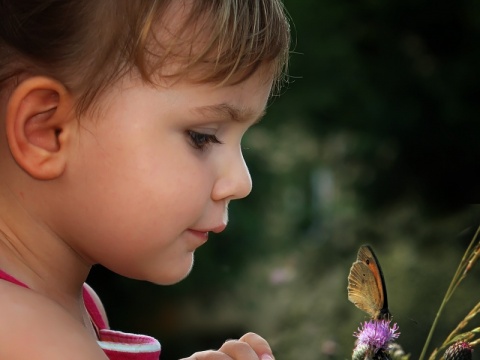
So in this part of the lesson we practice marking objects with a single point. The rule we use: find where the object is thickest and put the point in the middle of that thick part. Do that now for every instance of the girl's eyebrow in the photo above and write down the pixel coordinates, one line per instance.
(228, 111)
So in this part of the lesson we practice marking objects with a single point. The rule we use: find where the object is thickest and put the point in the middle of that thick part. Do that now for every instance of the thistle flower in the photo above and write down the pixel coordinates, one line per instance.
(373, 339)
(461, 350)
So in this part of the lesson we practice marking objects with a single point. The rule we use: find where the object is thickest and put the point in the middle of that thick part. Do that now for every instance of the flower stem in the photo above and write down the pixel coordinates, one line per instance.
(457, 278)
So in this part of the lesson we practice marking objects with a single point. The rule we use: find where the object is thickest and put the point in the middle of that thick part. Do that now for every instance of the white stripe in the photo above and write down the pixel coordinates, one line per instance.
(130, 348)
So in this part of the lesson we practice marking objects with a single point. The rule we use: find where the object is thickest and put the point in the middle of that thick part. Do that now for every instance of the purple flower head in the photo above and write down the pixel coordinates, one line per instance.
(376, 334)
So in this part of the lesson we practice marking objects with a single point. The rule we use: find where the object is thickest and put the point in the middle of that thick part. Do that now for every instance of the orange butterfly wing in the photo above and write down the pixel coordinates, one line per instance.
(366, 286)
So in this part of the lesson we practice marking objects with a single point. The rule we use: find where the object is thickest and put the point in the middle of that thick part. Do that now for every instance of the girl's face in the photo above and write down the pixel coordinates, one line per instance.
(153, 174)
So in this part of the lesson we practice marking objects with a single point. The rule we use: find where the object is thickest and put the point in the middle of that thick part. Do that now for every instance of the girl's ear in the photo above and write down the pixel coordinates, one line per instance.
(39, 116)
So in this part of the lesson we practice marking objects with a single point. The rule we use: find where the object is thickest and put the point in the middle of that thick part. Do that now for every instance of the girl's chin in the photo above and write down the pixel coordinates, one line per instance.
(174, 275)
(163, 272)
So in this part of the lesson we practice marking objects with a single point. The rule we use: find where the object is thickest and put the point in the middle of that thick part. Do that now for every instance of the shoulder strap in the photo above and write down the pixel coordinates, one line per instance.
(10, 278)
(93, 310)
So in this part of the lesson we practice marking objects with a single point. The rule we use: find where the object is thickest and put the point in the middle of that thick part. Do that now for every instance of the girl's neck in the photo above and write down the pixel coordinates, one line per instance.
(47, 265)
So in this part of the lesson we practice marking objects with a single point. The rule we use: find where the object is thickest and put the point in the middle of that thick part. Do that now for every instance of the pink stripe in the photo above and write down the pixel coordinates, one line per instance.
(93, 310)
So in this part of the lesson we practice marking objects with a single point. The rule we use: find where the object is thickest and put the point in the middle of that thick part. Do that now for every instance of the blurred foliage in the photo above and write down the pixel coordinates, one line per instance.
(375, 140)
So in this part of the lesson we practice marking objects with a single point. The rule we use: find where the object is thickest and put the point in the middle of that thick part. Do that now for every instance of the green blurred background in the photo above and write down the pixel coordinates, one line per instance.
(375, 140)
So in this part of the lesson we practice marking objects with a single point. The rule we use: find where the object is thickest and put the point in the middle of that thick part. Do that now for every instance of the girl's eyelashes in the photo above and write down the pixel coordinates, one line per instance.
(200, 141)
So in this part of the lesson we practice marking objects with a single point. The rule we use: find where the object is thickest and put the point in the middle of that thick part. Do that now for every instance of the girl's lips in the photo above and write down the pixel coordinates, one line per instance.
(203, 235)
(216, 229)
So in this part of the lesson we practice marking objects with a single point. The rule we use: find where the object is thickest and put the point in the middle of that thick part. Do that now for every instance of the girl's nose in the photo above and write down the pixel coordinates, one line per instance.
(234, 181)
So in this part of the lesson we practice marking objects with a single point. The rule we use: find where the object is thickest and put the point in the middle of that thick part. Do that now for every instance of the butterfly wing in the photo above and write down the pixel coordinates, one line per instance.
(366, 285)
(362, 289)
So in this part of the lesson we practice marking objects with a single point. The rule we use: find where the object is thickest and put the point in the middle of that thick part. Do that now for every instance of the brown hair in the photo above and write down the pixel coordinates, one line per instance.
(89, 44)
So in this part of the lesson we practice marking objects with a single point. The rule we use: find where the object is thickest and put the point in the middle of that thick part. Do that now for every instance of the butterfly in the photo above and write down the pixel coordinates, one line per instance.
(366, 285)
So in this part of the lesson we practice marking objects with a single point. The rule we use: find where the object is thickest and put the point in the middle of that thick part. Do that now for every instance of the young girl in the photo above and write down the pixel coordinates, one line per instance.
(120, 130)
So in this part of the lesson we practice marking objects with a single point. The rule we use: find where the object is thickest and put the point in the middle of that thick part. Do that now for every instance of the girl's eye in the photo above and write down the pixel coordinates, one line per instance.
(201, 141)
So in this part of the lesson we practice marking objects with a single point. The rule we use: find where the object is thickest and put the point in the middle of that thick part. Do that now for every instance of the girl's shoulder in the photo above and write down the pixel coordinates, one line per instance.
(35, 327)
